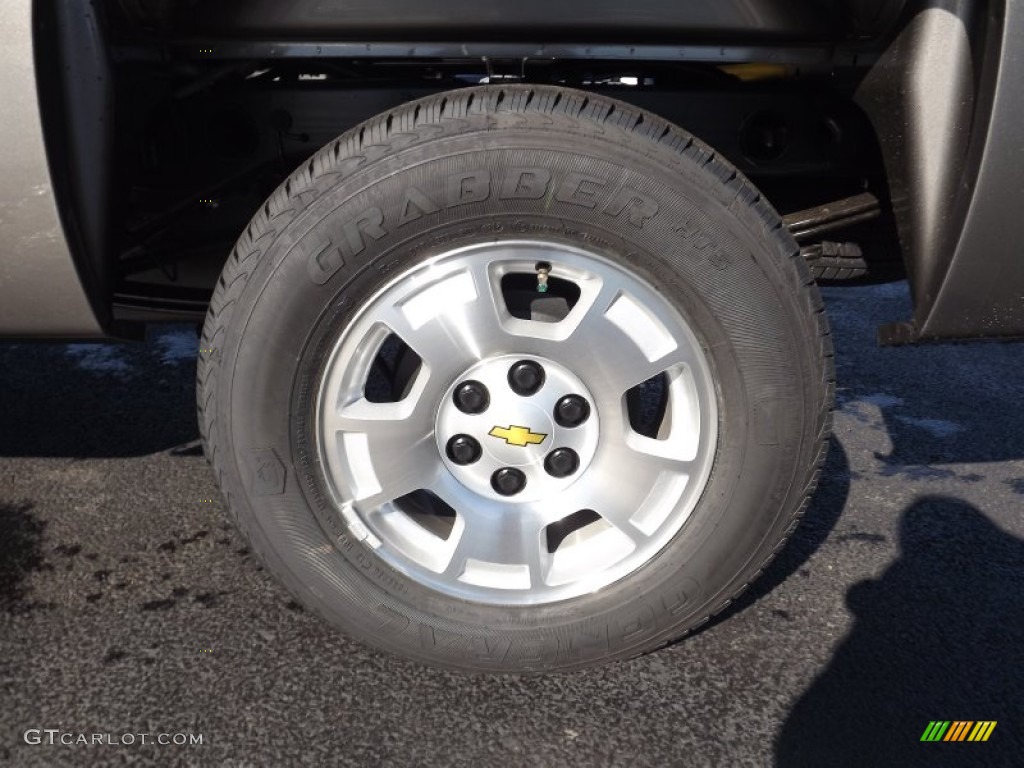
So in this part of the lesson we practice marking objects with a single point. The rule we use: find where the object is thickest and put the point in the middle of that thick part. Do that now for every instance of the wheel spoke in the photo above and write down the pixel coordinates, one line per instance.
(624, 480)
(499, 545)
(620, 343)
(451, 322)
(390, 447)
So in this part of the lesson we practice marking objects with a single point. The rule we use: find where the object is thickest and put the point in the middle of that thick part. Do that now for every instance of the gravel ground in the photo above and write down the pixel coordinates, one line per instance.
(129, 605)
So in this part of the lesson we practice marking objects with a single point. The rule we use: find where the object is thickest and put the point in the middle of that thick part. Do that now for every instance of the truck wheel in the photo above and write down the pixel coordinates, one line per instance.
(516, 378)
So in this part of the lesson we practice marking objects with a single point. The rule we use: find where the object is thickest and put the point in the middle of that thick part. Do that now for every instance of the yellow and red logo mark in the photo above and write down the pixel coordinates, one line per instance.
(959, 730)
(520, 436)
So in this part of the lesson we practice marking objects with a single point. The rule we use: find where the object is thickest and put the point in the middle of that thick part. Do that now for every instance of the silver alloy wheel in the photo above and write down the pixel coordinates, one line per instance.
(568, 528)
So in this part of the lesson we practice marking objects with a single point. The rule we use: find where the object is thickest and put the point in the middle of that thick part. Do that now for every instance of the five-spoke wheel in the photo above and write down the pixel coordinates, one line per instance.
(520, 459)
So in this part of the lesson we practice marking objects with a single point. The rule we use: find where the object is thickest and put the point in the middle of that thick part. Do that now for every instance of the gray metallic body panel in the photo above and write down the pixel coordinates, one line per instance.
(983, 292)
(925, 138)
(590, 21)
(41, 294)
(945, 102)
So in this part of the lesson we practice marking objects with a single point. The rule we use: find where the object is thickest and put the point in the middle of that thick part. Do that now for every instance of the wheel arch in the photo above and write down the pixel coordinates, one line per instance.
(75, 91)
(943, 100)
(50, 290)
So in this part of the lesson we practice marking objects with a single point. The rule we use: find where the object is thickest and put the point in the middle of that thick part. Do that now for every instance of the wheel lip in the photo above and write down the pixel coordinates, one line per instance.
(709, 427)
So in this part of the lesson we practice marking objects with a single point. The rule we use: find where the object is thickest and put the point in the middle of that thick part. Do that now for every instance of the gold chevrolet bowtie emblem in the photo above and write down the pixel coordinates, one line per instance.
(520, 436)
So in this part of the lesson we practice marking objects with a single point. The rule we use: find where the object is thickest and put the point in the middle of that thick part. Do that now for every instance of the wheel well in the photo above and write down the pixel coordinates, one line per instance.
(202, 129)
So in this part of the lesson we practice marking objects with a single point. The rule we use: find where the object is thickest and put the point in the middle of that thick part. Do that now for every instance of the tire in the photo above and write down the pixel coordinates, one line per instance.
(835, 262)
(469, 178)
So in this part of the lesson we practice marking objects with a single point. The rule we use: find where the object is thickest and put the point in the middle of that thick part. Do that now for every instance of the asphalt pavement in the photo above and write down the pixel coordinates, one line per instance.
(129, 605)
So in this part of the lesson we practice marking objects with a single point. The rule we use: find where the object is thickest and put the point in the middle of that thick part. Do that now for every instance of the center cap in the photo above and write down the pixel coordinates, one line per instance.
(519, 440)
(519, 430)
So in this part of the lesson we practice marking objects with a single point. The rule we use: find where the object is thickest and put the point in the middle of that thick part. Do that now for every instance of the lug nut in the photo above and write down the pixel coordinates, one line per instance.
(471, 397)
(508, 481)
(525, 378)
(562, 462)
(571, 411)
(463, 449)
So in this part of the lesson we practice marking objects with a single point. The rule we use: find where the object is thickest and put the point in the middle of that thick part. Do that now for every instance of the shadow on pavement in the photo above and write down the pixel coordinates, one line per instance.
(961, 416)
(938, 637)
(940, 403)
(21, 537)
(95, 400)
